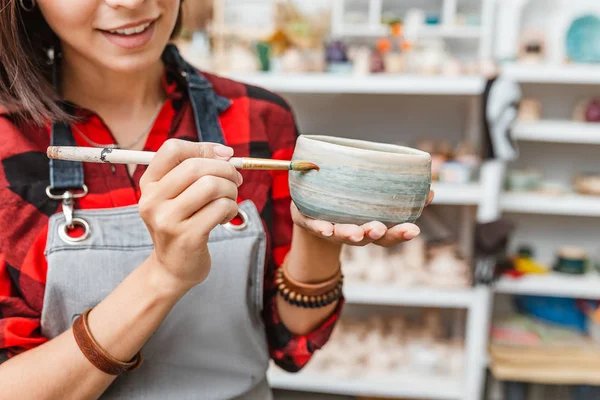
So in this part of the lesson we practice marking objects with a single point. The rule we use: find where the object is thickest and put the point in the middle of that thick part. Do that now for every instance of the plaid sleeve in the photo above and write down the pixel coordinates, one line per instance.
(19, 323)
(290, 352)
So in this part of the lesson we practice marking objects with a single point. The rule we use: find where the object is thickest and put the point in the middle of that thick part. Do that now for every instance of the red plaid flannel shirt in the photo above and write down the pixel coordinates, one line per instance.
(258, 124)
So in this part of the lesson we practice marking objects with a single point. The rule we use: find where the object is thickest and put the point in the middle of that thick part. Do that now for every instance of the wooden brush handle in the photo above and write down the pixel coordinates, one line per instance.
(118, 156)
(100, 155)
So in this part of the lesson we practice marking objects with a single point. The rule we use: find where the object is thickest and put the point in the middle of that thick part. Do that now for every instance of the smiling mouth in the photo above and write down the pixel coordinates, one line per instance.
(134, 30)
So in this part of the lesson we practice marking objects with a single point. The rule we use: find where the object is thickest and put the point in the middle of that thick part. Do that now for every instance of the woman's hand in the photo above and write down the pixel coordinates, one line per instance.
(187, 190)
(373, 232)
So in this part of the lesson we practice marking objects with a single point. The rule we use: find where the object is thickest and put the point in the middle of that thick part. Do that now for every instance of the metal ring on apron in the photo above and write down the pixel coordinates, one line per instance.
(242, 214)
(63, 231)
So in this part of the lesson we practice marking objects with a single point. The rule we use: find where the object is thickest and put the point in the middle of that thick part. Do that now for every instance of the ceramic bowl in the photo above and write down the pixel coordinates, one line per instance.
(360, 181)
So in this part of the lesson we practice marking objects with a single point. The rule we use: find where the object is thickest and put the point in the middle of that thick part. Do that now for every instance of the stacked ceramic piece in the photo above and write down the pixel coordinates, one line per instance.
(386, 346)
(411, 264)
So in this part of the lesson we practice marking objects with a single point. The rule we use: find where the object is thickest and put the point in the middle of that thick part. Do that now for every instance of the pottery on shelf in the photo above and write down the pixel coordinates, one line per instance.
(587, 110)
(389, 346)
(360, 181)
(571, 260)
(592, 111)
(524, 180)
(588, 184)
(446, 269)
(532, 47)
(583, 39)
(530, 109)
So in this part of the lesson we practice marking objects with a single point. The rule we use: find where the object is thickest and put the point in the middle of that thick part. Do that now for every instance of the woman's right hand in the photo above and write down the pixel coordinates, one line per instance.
(188, 189)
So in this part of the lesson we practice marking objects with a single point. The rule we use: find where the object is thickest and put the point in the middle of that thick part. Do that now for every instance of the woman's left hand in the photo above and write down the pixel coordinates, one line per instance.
(374, 232)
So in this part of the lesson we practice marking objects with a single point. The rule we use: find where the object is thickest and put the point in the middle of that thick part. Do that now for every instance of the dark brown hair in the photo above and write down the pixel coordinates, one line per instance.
(26, 82)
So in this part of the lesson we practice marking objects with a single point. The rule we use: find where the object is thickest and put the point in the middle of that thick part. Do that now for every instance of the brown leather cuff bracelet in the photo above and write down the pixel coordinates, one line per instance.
(310, 289)
(309, 295)
(95, 354)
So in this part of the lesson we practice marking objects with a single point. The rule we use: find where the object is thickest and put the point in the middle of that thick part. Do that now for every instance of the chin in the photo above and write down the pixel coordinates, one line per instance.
(130, 63)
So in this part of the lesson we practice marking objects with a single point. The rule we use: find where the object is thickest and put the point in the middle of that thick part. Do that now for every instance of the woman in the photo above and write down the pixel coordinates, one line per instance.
(177, 260)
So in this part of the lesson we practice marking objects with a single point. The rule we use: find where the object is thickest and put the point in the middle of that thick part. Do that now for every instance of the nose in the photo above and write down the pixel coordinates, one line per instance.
(124, 3)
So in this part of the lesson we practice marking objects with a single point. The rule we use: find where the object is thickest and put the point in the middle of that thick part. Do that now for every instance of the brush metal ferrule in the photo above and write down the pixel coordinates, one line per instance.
(265, 164)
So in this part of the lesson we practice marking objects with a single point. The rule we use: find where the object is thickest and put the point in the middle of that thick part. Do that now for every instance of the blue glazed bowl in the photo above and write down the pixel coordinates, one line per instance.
(583, 40)
(360, 181)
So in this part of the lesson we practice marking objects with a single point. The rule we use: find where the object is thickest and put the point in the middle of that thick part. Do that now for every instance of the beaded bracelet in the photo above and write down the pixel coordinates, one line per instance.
(292, 292)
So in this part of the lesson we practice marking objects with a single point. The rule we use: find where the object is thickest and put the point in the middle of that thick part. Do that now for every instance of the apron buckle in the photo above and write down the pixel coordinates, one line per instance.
(67, 202)
(68, 199)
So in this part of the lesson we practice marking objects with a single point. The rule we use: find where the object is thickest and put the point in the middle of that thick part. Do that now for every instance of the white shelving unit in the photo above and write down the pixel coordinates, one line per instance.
(475, 202)
(556, 85)
(557, 131)
(553, 74)
(568, 204)
(479, 197)
(413, 385)
(554, 284)
(447, 28)
(412, 296)
(456, 195)
(374, 84)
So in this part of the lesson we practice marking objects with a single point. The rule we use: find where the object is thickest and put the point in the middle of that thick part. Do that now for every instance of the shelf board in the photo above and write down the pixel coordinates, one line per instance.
(457, 32)
(582, 74)
(553, 284)
(534, 203)
(414, 385)
(440, 30)
(456, 194)
(372, 84)
(412, 296)
(362, 30)
(557, 131)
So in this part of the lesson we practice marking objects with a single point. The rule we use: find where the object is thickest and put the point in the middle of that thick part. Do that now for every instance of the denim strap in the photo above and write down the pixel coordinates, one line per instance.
(64, 174)
(206, 104)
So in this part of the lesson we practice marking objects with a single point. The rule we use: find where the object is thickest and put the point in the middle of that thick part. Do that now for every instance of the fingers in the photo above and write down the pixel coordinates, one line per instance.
(374, 230)
(430, 198)
(205, 190)
(173, 152)
(323, 228)
(192, 170)
(398, 234)
(348, 232)
(216, 212)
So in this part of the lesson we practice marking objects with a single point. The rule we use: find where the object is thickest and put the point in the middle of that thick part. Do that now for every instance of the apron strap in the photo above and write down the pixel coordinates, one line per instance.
(206, 104)
(64, 174)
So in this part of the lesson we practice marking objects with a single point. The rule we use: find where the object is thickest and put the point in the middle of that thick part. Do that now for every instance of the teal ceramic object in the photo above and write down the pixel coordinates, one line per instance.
(583, 40)
(360, 181)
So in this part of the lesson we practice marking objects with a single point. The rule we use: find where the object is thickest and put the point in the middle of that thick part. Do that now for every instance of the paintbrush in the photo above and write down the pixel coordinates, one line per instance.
(118, 156)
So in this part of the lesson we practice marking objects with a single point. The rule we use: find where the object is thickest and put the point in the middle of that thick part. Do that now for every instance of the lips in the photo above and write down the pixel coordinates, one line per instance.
(133, 30)
(131, 37)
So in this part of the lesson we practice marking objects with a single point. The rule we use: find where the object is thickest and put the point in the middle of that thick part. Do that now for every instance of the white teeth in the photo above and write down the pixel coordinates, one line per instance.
(132, 30)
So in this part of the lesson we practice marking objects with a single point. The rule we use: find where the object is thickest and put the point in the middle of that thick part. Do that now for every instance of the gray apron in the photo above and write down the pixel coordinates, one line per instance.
(212, 345)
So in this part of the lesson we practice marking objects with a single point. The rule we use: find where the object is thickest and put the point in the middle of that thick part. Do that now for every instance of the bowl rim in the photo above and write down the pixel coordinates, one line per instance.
(393, 148)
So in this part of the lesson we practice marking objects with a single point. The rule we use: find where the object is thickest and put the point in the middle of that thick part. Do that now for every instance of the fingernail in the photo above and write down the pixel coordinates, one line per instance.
(356, 238)
(223, 151)
(408, 235)
(326, 233)
(240, 179)
(377, 233)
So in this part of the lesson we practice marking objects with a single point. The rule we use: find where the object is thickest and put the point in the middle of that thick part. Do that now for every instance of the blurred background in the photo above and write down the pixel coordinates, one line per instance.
(497, 298)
